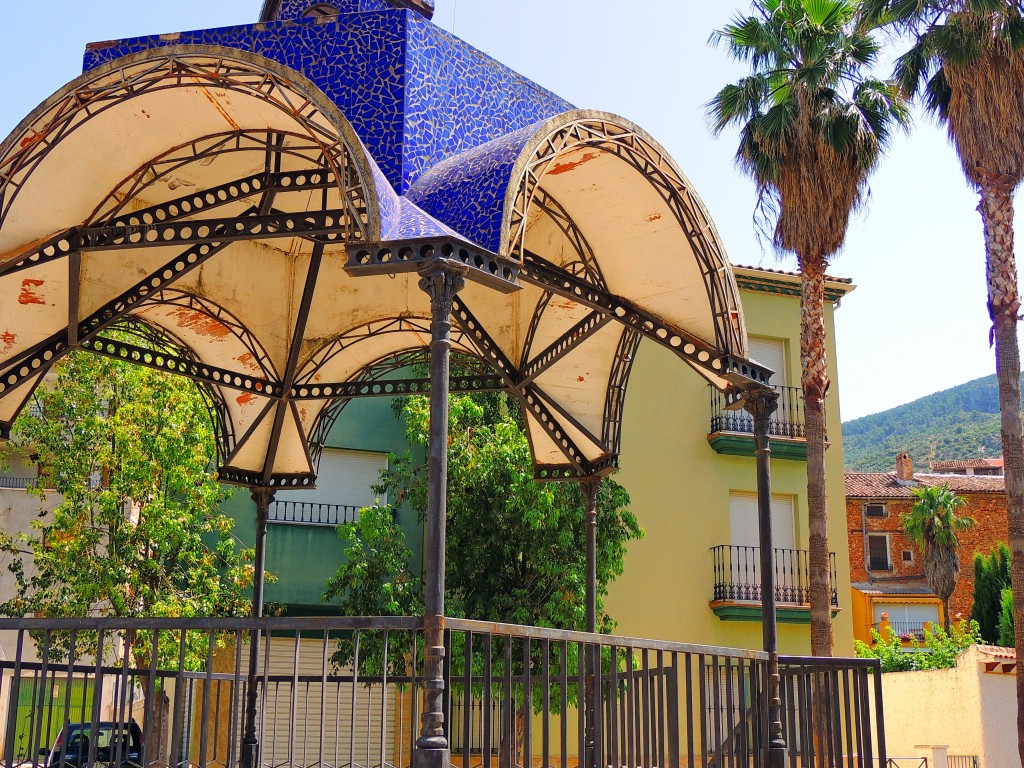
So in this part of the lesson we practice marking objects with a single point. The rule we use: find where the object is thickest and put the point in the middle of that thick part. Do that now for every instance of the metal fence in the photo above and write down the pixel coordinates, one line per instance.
(738, 577)
(962, 761)
(346, 692)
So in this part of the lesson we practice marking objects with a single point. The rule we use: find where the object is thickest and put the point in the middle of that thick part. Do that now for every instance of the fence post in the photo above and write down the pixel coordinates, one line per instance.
(937, 755)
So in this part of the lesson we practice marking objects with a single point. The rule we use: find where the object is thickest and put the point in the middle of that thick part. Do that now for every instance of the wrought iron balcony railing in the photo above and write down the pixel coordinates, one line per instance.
(907, 629)
(787, 421)
(18, 483)
(738, 575)
(312, 513)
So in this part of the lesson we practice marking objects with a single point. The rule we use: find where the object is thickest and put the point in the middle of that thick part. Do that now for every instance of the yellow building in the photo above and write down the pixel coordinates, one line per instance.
(693, 577)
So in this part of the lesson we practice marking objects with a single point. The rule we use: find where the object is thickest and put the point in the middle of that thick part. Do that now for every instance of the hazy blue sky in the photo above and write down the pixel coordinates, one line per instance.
(917, 322)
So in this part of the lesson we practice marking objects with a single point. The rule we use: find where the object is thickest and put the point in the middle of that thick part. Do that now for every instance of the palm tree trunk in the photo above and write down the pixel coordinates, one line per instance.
(996, 210)
(814, 381)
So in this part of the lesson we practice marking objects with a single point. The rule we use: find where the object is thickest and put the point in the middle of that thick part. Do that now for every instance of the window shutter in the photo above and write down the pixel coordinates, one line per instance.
(771, 352)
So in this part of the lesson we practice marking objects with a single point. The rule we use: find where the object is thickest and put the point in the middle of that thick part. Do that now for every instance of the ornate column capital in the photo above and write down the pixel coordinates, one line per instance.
(442, 280)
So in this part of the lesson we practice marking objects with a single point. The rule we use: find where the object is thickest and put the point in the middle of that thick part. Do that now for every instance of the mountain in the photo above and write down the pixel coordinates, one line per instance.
(957, 423)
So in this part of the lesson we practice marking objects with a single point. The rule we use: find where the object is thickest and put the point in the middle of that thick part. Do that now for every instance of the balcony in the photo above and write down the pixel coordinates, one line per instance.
(737, 591)
(732, 431)
(312, 513)
(346, 691)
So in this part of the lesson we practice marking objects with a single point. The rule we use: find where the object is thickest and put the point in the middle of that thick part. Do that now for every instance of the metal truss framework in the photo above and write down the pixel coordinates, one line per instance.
(654, 166)
(185, 222)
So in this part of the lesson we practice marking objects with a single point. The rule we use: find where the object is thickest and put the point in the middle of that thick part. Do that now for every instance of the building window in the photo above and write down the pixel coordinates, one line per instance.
(772, 353)
(908, 556)
(875, 510)
(878, 552)
(344, 485)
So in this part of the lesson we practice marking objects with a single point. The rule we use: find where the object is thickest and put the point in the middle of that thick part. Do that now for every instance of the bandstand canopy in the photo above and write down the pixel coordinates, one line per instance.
(216, 205)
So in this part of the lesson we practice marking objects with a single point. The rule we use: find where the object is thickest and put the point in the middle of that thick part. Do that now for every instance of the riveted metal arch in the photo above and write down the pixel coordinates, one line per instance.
(184, 66)
(618, 379)
(307, 384)
(275, 144)
(613, 135)
(377, 380)
(695, 351)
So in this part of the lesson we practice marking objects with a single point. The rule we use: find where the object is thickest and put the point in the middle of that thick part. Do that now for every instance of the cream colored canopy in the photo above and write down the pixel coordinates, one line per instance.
(221, 206)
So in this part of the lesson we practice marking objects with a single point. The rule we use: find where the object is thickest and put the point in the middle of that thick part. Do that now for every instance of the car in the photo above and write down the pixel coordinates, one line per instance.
(116, 744)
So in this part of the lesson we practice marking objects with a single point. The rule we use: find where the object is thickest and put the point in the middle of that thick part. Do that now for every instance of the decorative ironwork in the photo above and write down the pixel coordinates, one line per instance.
(615, 401)
(227, 70)
(170, 363)
(787, 421)
(738, 575)
(658, 169)
(698, 353)
(564, 344)
(398, 256)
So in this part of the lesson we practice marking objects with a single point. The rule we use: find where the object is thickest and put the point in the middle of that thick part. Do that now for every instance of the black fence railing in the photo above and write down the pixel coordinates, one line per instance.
(346, 691)
(16, 483)
(738, 575)
(787, 421)
(962, 761)
(312, 513)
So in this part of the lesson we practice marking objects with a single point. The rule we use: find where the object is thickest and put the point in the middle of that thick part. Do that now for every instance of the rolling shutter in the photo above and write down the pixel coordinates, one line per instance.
(344, 477)
(771, 352)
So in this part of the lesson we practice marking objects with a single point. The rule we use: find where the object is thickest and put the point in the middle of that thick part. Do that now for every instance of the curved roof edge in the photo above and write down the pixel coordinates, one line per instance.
(365, 165)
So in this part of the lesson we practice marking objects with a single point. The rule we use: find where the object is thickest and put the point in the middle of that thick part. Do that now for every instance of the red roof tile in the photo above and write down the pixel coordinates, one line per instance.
(829, 278)
(938, 466)
(883, 485)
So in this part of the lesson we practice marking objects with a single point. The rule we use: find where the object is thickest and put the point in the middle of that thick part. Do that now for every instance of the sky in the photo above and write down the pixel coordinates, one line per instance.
(917, 321)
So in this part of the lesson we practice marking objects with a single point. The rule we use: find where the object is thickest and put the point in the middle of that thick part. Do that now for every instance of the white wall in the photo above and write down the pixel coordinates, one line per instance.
(971, 711)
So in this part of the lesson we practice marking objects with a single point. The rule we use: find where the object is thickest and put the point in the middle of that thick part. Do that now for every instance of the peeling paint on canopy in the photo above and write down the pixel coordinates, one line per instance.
(213, 195)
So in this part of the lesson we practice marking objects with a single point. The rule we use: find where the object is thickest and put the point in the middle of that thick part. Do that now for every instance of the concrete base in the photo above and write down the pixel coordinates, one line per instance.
(431, 758)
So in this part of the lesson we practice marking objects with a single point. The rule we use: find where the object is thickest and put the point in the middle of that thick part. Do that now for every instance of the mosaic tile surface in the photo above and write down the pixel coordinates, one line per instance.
(416, 95)
(467, 191)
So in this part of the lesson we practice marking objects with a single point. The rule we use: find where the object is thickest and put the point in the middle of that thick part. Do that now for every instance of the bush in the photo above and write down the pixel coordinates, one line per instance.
(938, 651)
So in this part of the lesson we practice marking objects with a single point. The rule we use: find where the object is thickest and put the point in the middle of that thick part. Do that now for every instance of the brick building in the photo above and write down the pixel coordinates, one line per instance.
(886, 572)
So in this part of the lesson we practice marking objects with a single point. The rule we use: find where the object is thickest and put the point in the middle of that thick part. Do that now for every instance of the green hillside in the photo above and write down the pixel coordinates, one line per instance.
(958, 423)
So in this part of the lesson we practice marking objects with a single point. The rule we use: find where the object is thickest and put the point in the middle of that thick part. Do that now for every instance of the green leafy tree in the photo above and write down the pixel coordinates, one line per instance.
(932, 523)
(137, 531)
(991, 577)
(1006, 619)
(374, 580)
(813, 126)
(966, 63)
(516, 547)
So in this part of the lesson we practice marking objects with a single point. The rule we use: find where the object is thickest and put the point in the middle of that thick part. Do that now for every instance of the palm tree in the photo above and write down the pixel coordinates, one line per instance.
(932, 523)
(813, 126)
(967, 63)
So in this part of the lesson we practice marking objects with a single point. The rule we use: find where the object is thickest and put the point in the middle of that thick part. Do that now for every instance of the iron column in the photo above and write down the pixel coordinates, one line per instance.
(441, 281)
(250, 744)
(761, 403)
(591, 486)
